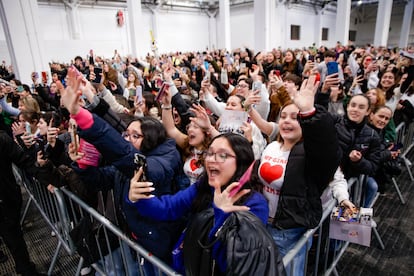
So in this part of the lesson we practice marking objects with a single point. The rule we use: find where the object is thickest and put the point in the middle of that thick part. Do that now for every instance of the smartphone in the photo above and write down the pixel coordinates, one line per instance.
(311, 58)
(141, 162)
(207, 76)
(98, 75)
(332, 67)
(397, 146)
(243, 179)
(277, 73)
(138, 94)
(28, 128)
(74, 137)
(161, 93)
(317, 77)
(257, 85)
(44, 76)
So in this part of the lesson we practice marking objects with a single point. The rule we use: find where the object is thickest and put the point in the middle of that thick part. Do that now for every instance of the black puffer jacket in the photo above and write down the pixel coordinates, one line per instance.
(361, 137)
(310, 167)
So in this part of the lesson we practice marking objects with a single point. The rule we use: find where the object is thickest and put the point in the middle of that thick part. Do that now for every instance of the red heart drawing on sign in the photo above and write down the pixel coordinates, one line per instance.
(271, 173)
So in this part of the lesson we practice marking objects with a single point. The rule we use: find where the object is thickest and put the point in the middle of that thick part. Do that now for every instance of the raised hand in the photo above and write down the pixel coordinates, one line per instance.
(305, 97)
(70, 96)
(223, 201)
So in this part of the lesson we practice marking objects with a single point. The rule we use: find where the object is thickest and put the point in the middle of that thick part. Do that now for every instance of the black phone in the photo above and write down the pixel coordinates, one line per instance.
(397, 146)
(98, 75)
(141, 162)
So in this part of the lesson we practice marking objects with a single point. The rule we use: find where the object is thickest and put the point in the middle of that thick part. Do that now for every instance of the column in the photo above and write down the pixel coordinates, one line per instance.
(224, 35)
(280, 30)
(318, 30)
(212, 30)
(136, 30)
(382, 24)
(24, 37)
(73, 18)
(405, 28)
(343, 16)
(261, 25)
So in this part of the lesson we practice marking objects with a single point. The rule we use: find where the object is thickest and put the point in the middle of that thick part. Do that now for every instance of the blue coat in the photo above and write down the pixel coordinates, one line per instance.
(164, 163)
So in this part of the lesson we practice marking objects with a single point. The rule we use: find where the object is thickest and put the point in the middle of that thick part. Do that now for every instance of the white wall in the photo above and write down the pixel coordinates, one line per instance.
(184, 31)
(242, 27)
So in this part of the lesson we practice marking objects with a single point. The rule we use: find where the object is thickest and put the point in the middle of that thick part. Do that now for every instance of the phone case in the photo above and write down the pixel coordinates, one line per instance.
(332, 67)
(161, 93)
(257, 86)
(243, 179)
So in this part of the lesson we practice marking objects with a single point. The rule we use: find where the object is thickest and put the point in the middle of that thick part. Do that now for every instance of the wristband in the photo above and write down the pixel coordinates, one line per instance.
(168, 107)
(307, 114)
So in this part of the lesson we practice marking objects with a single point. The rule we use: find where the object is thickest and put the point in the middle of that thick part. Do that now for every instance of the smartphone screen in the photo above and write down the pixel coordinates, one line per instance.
(207, 76)
(74, 137)
(28, 128)
(257, 85)
(138, 94)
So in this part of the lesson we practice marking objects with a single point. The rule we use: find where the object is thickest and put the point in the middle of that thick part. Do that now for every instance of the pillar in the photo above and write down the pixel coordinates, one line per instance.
(382, 24)
(224, 34)
(343, 16)
(406, 24)
(24, 37)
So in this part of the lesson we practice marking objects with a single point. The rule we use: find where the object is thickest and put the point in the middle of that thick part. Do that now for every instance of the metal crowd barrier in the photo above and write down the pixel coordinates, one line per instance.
(406, 136)
(125, 246)
(51, 208)
(62, 210)
(322, 242)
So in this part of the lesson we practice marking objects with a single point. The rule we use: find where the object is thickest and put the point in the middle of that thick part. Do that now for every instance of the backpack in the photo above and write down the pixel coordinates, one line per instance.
(250, 249)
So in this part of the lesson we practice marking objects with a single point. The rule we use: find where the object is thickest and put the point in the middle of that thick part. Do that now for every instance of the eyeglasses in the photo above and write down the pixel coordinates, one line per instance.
(242, 86)
(218, 156)
(134, 136)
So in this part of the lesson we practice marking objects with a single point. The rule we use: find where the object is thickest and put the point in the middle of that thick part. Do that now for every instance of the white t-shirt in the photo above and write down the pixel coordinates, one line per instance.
(191, 169)
(272, 173)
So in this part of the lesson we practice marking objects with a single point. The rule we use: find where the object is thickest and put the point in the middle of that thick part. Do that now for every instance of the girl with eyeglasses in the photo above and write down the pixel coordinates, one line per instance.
(228, 156)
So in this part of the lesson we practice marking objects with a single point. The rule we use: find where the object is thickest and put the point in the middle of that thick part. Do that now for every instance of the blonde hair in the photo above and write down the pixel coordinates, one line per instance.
(30, 104)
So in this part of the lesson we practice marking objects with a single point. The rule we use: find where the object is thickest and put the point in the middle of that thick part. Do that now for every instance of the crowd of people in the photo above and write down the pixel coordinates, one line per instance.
(194, 140)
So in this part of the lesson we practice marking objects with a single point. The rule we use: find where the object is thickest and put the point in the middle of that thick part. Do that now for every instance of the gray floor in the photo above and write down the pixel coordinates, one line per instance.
(395, 225)
(42, 247)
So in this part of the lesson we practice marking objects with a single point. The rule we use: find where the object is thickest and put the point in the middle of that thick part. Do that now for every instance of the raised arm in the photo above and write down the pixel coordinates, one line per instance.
(168, 122)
